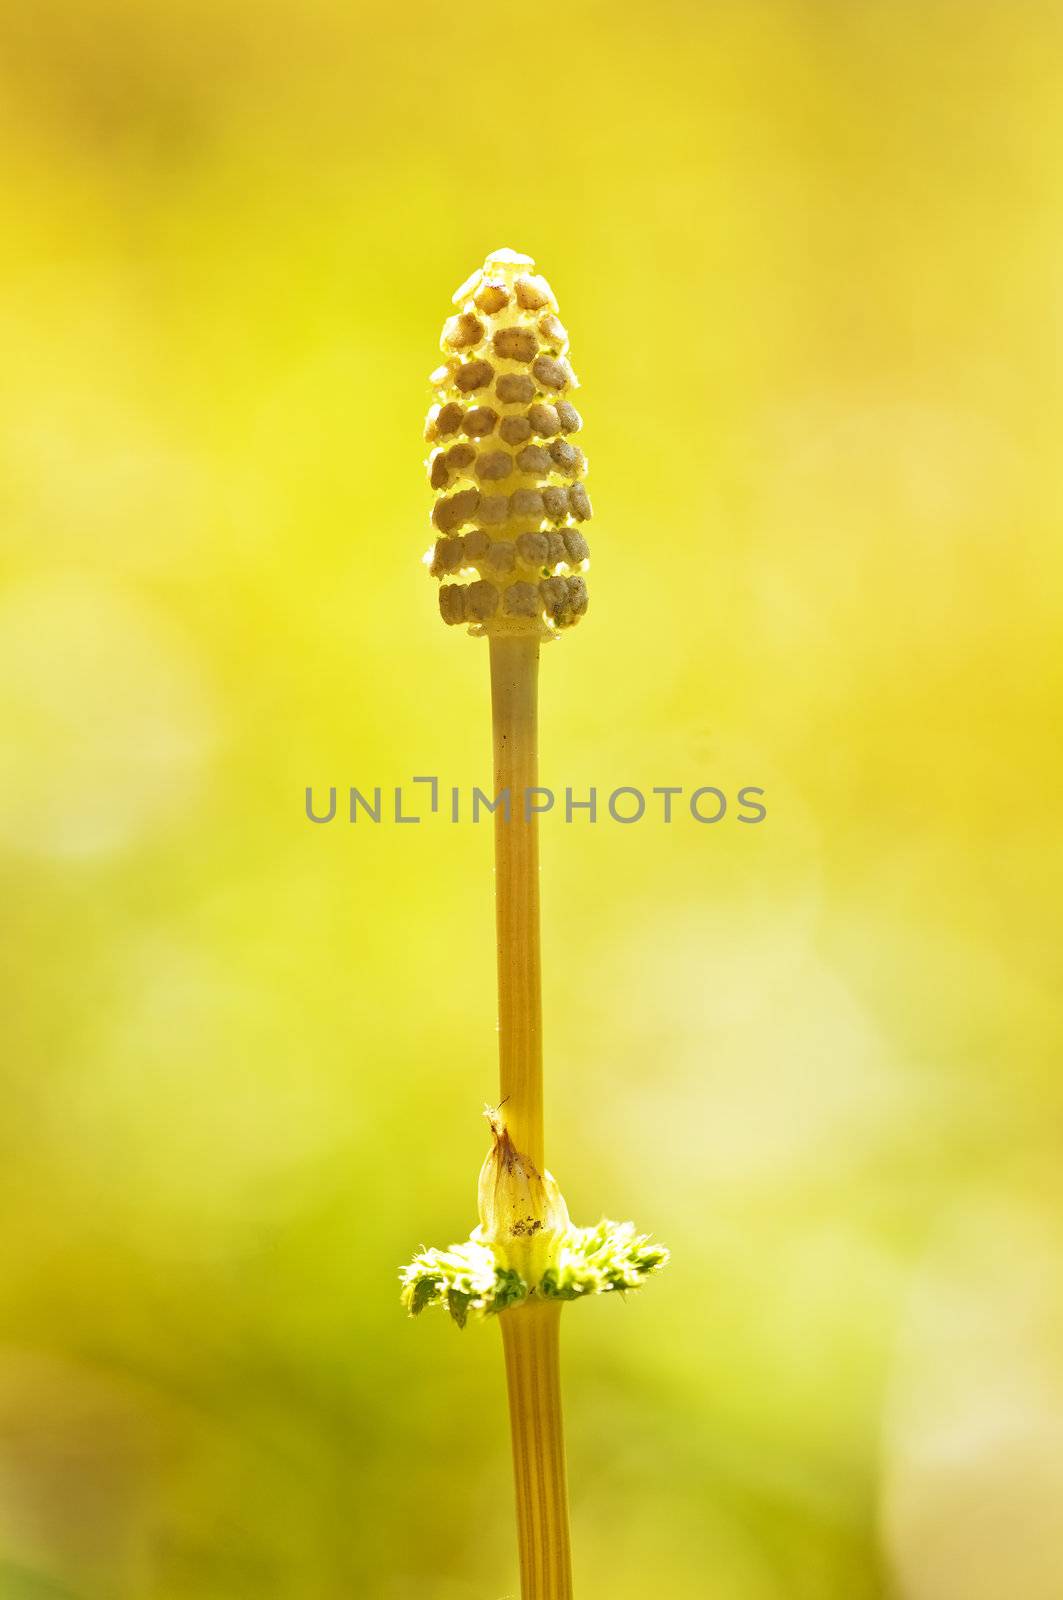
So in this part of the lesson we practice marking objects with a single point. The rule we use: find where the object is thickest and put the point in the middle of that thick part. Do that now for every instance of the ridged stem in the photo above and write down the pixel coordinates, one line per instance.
(514, 713)
(529, 1331)
(533, 1382)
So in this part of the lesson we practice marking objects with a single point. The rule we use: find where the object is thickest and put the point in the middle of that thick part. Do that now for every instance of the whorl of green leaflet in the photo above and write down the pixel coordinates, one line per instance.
(526, 1247)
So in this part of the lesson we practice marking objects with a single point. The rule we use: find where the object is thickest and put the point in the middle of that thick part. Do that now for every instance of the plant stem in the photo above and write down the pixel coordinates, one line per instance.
(529, 1331)
(530, 1341)
(514, 712)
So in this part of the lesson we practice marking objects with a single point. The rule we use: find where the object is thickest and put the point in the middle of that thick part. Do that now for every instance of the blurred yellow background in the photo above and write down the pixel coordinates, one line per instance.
(808, 252)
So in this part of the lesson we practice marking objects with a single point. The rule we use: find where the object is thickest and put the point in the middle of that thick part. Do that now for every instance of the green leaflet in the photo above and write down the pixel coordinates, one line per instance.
(476, 1277)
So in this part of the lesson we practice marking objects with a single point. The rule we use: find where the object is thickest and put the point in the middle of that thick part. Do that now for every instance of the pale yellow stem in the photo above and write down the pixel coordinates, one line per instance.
(529, 1331)
(514, 710)
(533, 1380)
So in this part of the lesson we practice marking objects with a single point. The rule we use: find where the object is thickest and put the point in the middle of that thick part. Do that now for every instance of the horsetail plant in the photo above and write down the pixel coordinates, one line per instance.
(511, 556)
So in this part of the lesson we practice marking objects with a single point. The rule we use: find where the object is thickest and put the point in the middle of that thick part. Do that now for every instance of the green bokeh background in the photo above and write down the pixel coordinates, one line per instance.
(808, 253)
